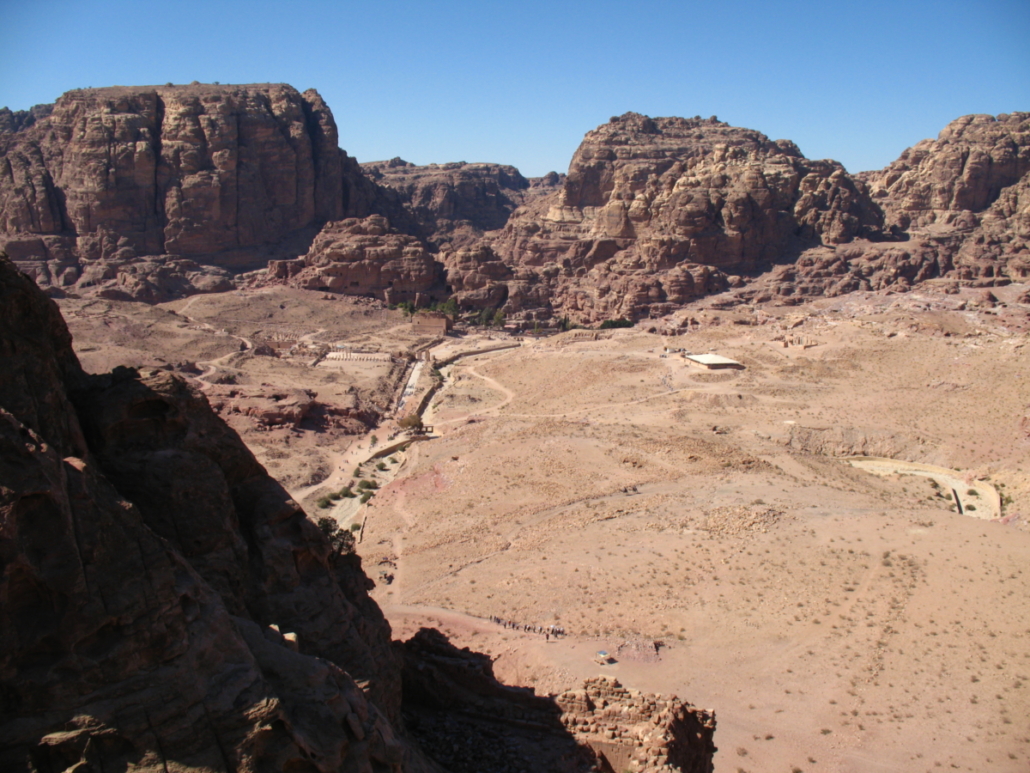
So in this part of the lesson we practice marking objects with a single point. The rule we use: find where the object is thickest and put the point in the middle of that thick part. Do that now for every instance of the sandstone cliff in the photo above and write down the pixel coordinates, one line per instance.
(963, 171)
(155, 192)
(364, 257)
(958, 208)
(165, 605)
(657, 212)
(220, 176)
(454, 204)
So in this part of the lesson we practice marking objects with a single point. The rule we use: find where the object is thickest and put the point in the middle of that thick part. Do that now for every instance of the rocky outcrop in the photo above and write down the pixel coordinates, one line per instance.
(958, 207)
(631, 730)
(229, 176)
(363, 257)
(657, 212)
(294, 408)
(454, 204)
(455, 705)
(164, 603)
(961, 173)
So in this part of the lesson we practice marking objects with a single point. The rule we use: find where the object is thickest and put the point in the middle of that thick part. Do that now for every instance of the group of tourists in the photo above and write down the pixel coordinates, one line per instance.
(547, 630)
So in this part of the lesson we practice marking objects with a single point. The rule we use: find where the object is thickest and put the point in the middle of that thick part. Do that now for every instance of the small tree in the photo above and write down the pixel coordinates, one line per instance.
(411, 422)
(341, 540)
(498, 318)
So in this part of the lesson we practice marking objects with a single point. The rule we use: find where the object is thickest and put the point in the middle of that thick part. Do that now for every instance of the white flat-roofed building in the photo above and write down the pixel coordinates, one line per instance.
(713, 361)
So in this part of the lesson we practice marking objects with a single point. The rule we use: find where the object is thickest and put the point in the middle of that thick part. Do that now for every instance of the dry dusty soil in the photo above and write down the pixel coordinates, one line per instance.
(703, 527)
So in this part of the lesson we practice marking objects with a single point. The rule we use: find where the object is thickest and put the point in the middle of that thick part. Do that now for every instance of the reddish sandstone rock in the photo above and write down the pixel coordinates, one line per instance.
(653, 212)
(961, 173)
(149, 569)
(363, 257)
(229, 175)
(453, 204)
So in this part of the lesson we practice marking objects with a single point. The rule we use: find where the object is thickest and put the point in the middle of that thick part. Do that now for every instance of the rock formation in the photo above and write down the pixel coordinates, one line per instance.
(164, 603)
(363, 257)
(958, 207)
(961, 173)
(456, 203)
(152, 193)
(228, 176)
(657, 212)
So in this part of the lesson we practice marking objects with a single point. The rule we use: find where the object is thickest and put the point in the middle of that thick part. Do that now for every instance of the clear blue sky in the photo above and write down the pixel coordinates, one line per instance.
(521, 82)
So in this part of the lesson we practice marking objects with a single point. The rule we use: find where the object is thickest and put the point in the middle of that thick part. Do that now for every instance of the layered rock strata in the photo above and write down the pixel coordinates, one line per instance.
(226, 175)
(963, 171)
(959, 207)
(454, 204)
(657, 212)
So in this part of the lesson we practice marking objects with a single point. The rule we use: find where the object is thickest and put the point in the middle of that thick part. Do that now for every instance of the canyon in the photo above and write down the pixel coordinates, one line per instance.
(206, 324)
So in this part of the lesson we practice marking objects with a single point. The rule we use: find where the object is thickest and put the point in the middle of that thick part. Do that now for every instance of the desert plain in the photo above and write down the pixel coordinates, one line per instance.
(710, 530)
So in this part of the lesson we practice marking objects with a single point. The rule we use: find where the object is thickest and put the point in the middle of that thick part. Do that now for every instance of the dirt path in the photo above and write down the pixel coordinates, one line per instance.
(975, 498)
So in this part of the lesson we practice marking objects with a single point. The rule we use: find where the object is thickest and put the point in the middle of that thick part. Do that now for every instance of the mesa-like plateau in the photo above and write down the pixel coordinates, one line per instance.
(312, 465)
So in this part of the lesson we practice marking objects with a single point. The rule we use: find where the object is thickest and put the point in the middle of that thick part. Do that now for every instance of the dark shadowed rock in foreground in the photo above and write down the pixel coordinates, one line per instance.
(165, 605)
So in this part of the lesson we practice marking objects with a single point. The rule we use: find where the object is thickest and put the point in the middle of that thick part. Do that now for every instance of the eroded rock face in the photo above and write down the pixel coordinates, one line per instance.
(959, 207)
(456, 203)
(363, 257)
(230, 174)
(657, 212)
(165, 604)
(963, 171)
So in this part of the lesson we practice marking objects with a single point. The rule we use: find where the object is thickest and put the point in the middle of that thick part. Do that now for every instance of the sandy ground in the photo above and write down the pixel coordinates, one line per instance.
(835, 619)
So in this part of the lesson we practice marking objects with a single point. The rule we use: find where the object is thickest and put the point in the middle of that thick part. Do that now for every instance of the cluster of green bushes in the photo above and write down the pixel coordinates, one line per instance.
(335, 496)
(608, 324)
(490, 318)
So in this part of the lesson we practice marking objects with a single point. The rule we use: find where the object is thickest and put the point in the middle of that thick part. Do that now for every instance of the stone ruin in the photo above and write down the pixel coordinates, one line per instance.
(630, 730)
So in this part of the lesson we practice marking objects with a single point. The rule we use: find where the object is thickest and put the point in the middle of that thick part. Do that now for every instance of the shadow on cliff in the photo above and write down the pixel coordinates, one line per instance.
(468, 721)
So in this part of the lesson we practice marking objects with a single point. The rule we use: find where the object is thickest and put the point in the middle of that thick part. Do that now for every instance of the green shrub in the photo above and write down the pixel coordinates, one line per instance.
(972, 492)
(357, 472)
(608, 324)
(367, 484)
(324, 502)
(366, 496)
(347, 493)
(970, 507)
(381, 466)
